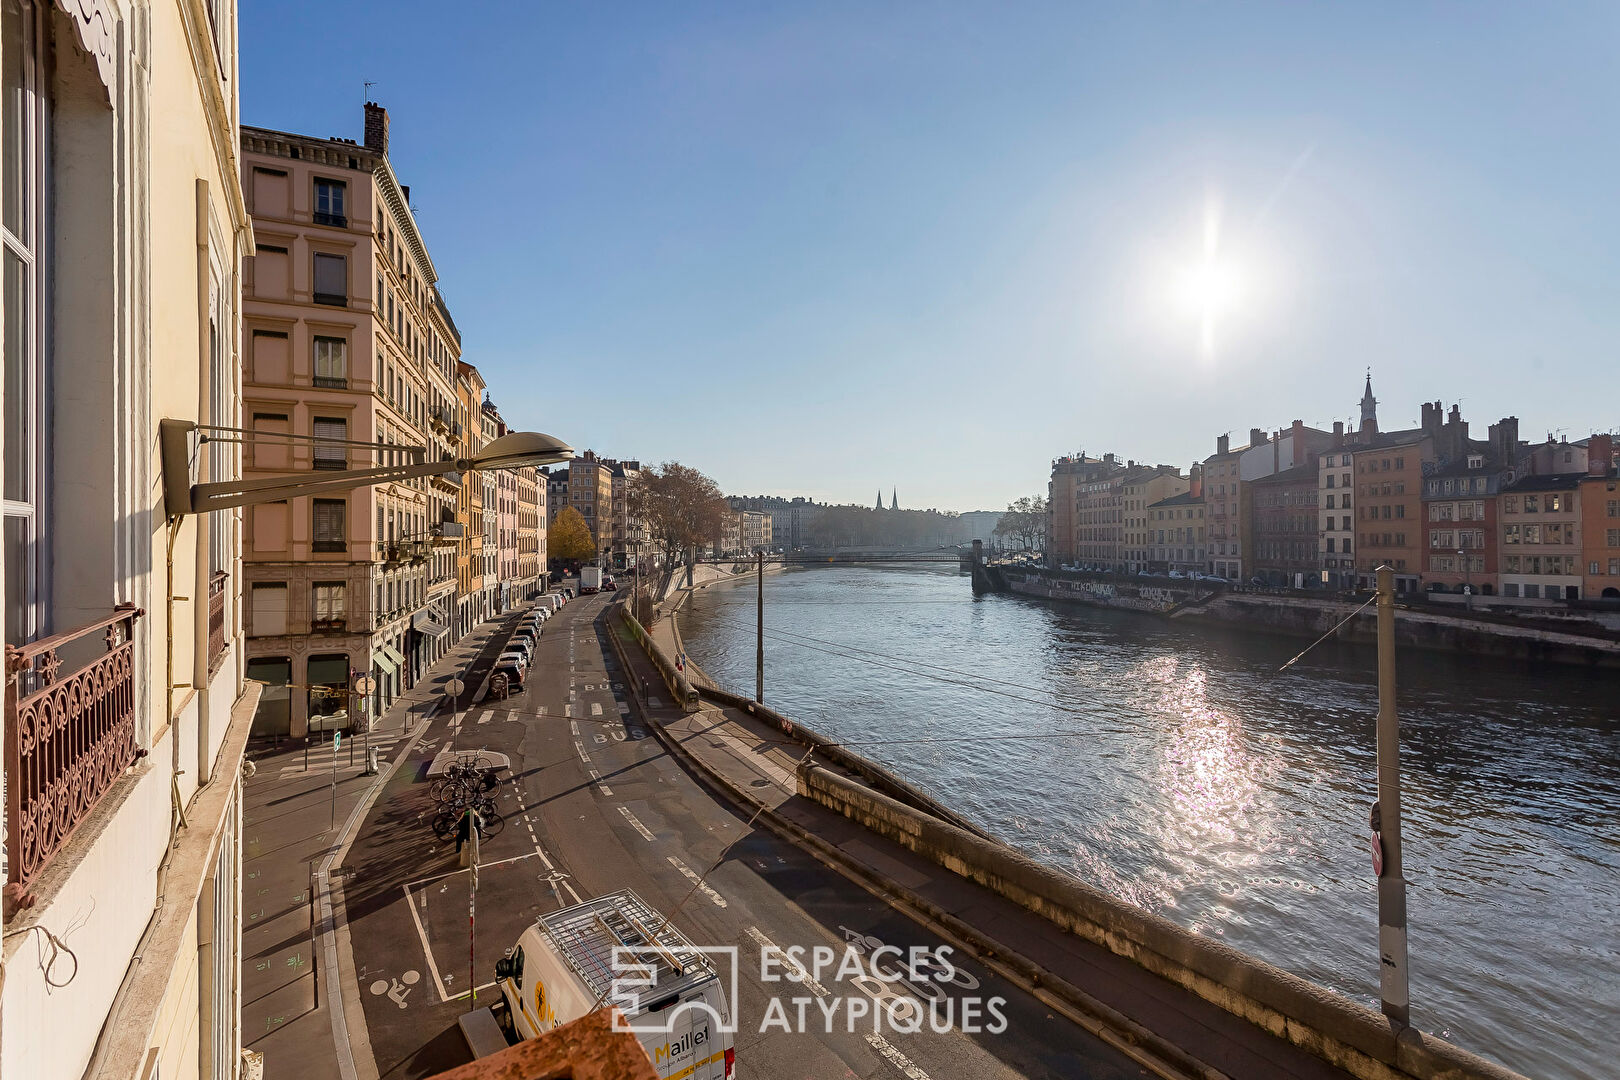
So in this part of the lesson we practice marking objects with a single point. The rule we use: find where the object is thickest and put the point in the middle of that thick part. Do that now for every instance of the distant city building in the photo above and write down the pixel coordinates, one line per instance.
(791, 519)
(1600, 522)
(1176, 531)
(1145, 486)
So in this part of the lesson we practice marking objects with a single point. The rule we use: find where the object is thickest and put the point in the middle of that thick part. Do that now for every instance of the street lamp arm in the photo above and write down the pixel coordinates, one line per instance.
(232, 493)
(516, 450)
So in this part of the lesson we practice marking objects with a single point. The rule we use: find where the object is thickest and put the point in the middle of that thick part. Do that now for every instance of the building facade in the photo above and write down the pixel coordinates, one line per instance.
(791, 519)
(349, 354)
(1176, 541)
(755, 532)
(1284, 528)
(471, 602)
(1600, 523)
(1223, 508)
(1541, 537)
(1336, 530)
(123, 228)
(1144, 487)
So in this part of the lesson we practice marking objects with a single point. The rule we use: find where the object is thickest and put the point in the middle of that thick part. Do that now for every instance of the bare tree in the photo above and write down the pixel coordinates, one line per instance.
(682, 508)
(1024, 522)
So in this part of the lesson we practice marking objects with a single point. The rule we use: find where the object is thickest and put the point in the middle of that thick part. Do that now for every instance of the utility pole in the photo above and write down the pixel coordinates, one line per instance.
(1386, 820)
(759, 645)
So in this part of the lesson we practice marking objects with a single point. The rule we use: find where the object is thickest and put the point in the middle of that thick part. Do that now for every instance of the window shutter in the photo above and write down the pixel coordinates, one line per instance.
(269, 609)
(331, 276)
(329, 455)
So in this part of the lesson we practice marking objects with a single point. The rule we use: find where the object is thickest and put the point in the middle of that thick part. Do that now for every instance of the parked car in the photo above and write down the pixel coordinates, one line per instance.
(608, 586)
(515, 653)
(568, 591)
(514, 672)
(526, 636)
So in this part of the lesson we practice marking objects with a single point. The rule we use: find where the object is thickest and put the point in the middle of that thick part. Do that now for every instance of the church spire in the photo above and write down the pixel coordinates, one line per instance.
(1369, 406)
(894, 499)
(880, 499)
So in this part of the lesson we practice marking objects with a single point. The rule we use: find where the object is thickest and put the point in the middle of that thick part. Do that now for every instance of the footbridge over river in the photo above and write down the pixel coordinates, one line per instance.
(852, 556)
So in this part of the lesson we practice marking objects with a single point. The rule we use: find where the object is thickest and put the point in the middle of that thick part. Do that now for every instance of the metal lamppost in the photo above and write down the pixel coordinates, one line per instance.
(1386, 820)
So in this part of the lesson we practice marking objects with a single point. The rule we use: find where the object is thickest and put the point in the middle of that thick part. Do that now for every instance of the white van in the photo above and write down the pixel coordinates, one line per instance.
(563, 967)
(554, 599)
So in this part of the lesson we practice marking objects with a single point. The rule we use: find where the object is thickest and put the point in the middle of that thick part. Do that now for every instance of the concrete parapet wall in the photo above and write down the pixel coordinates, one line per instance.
(873, 773)
(1331, 1027)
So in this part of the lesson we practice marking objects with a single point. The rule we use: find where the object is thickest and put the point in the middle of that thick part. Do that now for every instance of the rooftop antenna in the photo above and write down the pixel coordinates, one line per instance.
(369, 85)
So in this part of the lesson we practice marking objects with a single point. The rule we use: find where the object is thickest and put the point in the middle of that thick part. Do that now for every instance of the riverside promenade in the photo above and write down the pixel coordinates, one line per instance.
(1181, 1007)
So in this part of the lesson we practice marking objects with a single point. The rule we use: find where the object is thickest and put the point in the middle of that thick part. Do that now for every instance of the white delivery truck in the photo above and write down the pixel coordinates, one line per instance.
(590, 579)
(615, 950)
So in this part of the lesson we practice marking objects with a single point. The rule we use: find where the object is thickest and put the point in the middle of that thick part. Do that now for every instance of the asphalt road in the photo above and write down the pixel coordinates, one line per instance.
(594, 804)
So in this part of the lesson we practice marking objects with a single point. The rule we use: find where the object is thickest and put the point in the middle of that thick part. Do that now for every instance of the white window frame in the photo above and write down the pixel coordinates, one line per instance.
(25, 510)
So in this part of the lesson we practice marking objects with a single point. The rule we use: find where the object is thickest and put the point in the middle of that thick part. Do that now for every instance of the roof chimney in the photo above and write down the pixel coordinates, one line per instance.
(1600, 455)
(1338, 433)
(376, 128)
(1195, 481)
(1257, 437)
(1223, 444)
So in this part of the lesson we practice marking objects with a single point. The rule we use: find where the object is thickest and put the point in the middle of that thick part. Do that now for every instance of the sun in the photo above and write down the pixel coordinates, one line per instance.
(1210, 289)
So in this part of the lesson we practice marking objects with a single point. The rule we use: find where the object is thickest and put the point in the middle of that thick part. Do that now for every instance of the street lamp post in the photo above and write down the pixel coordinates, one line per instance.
(1468, 578)
(1386, 819)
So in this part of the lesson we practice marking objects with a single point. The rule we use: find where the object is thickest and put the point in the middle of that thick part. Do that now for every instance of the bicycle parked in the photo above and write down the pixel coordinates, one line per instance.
(466, 785)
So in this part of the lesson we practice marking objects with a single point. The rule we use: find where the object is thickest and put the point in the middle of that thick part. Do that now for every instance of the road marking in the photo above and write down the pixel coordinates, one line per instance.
(596, 708)
(483, 717)
(597, 777)
(788, 963)
(573, 727)
(895, 1057)
(542, 711)
(580, 748)
(702, 886)
(427, 950)
(624, 710)
(638, 826)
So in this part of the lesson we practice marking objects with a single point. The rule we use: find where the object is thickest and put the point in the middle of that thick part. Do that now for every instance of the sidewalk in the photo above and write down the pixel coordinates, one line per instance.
(294, 817)
(755, 766)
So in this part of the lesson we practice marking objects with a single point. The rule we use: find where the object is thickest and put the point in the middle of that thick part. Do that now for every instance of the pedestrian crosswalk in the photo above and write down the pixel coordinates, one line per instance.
(321, 758)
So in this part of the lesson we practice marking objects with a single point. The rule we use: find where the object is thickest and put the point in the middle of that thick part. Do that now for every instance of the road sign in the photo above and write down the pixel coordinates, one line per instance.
(337, 742)
(364, 685)
(454, 687)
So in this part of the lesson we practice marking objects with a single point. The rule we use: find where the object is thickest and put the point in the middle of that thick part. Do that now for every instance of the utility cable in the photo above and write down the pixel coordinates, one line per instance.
(1324, 637)
(47, 960)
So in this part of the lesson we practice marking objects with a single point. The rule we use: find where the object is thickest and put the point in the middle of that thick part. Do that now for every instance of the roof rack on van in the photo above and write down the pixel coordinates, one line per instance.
(587, 934)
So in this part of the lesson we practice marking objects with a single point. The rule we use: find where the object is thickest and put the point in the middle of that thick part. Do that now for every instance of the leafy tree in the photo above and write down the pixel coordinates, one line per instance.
(681, 506)
(1024, 522)
(569, 538)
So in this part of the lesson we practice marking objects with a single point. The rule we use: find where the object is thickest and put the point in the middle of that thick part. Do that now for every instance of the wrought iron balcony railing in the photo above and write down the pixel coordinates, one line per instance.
(216, 619)
(68, 740)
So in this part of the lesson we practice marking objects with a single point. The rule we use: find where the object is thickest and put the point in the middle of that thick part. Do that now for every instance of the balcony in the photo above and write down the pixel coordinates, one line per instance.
(331, 382)
(216, 620)
(68, 741)
(328, 625)
(337, 221)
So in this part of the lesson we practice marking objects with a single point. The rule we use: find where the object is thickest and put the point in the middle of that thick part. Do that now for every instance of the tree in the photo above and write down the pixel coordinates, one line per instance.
(1024, 522)
(682, 508)
(569, 538)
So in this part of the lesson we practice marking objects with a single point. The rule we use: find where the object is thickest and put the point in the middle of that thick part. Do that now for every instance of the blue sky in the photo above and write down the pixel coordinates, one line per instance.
(818, 248)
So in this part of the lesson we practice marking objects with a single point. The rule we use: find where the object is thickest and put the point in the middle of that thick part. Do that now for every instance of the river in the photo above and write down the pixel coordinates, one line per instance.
(1178, 769)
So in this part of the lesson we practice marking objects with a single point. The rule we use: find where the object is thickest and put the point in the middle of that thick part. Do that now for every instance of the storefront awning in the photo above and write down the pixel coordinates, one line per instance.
(429, 624)
(395, 655)
(381, 658)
